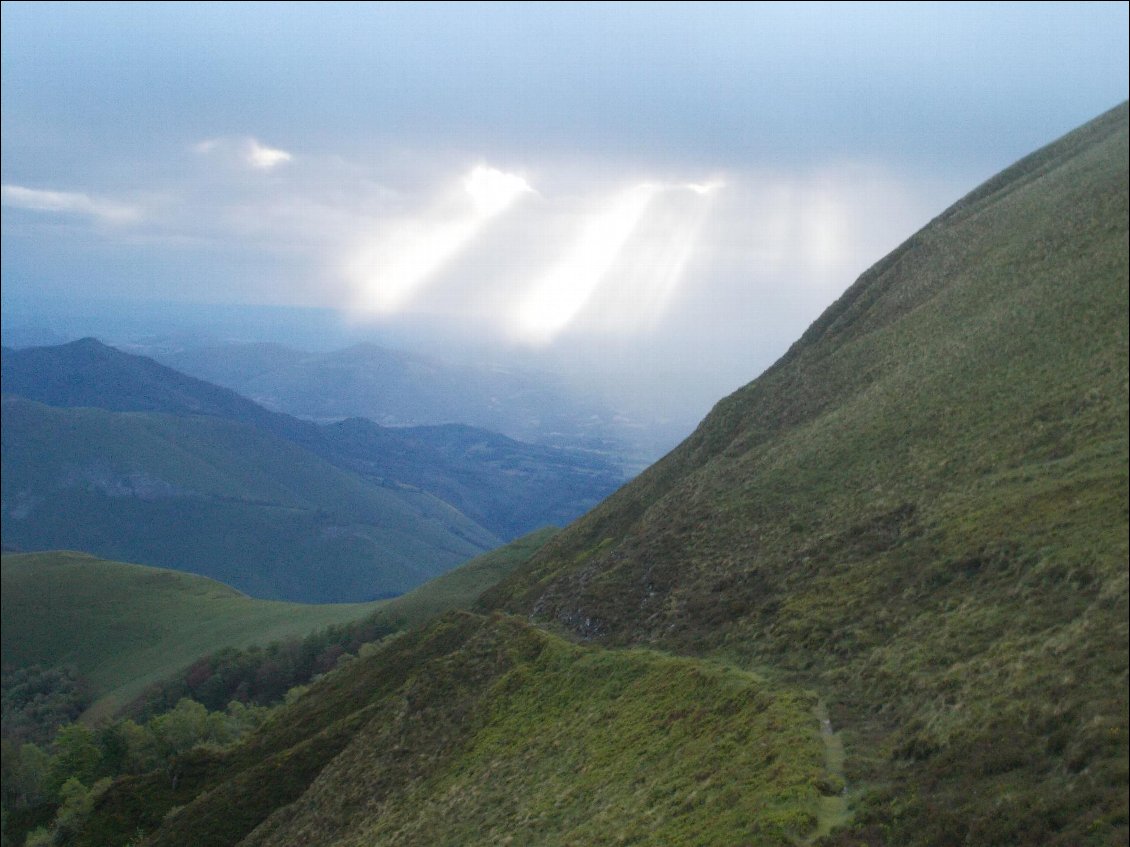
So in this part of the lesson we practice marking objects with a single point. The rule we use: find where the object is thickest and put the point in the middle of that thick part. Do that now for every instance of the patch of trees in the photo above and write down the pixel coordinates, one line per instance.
(260, 675)
(38, 700)
(54, 768)
(50, 789)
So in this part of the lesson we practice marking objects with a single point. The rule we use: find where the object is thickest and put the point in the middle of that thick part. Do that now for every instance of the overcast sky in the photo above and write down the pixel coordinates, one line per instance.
(643, 187)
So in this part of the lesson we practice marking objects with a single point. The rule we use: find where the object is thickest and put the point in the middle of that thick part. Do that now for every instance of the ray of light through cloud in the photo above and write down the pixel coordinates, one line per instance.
(554, 300)
(620, 273)
(646, 274)
(392, 267)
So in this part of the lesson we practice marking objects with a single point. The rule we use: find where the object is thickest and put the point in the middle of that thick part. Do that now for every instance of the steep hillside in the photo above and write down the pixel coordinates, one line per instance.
(920, 510)
(221, 499)
(480, 731)
(510, 488)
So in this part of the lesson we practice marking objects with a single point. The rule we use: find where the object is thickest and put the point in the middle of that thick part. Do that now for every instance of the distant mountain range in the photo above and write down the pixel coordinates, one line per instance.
(123, 457)
(395, 388)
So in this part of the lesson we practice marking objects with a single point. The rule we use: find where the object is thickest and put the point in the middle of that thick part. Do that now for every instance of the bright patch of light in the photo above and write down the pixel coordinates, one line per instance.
(824, 226)
(264, 158)
(391, 269)
(559, 295)
(648, 271)
(705, 188)
(492, 191)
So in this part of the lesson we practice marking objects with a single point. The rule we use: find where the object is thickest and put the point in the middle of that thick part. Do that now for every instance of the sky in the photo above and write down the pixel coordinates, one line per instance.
(658, 198)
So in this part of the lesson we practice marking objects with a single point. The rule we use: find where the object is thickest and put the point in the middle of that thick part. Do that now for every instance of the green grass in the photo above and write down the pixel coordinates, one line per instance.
(921, 510)
(479, 731)
(126, 626)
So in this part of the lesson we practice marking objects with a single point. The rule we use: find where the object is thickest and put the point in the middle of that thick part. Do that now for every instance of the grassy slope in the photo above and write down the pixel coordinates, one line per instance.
(488, 731)
(461, 587)
(922, 511)
(126, 626)
(222, 499)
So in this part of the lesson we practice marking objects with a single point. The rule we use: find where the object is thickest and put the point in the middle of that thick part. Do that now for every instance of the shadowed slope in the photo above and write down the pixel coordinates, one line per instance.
(508, 487)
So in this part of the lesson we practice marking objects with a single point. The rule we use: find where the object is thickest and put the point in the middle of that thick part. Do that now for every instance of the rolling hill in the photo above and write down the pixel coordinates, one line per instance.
(916, 520)
(124, 627)
(508, 487)
(221, 499)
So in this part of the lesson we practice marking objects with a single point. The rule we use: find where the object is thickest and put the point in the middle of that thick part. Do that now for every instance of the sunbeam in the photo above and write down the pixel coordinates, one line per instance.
(559, 295)
(390, 271)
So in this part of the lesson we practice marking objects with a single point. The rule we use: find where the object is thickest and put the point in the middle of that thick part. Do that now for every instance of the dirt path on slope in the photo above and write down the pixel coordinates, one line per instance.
(833, 810)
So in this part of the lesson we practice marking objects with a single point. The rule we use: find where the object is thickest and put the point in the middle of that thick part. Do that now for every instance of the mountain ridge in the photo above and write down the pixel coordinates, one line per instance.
(508, 487)
(222, 499)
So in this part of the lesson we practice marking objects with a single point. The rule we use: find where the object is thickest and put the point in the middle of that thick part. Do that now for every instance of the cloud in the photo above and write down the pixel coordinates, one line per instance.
(67, 202)
(263, 157)
(248, 151)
